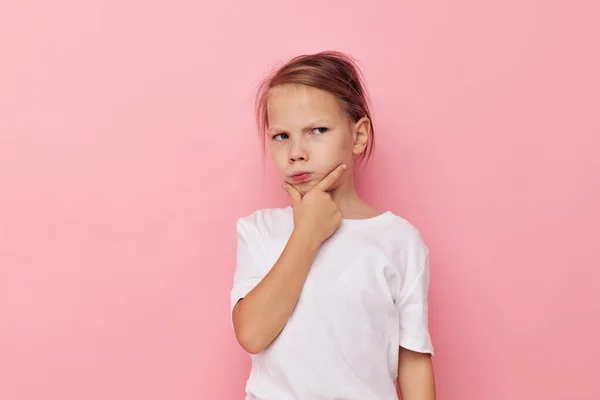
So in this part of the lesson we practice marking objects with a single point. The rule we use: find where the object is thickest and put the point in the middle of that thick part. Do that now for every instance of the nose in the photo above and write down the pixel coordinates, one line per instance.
(297, 151)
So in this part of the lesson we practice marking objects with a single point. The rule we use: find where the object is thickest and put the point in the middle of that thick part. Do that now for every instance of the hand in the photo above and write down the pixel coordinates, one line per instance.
(316, 213)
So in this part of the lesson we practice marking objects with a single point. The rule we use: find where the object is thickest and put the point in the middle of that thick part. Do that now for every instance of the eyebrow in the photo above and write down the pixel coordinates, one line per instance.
(315, 124)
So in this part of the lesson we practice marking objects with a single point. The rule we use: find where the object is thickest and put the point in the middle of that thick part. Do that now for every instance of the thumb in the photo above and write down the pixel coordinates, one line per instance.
(295, 195)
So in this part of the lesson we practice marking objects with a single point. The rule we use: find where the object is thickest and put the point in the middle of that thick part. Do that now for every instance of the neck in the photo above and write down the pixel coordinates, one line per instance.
(349, 203)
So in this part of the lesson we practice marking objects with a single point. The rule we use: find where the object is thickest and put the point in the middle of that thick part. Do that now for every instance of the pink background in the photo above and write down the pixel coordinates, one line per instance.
(127, 151)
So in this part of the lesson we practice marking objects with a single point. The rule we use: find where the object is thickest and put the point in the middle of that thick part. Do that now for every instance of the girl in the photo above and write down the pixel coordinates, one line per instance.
(329, 295)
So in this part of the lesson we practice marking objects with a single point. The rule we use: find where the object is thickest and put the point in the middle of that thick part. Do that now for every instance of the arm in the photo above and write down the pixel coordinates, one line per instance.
(415, 369)
(262, 314)
(415, 377)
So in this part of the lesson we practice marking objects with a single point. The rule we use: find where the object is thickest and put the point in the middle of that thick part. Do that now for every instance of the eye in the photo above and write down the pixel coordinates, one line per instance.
(281, 136)
(319, 131)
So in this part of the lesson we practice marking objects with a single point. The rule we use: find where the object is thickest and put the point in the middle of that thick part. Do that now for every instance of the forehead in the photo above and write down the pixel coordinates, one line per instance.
(298, 104)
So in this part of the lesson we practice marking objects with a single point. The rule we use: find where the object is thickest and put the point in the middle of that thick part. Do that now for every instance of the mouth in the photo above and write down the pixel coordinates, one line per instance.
(300, 177)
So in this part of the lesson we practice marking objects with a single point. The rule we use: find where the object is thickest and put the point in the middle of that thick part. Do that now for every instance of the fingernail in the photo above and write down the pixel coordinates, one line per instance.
(344, 166)
(284, 186)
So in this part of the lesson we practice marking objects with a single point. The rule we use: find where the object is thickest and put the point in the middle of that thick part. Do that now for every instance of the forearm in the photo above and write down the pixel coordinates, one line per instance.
(263, 313)
(416, 378)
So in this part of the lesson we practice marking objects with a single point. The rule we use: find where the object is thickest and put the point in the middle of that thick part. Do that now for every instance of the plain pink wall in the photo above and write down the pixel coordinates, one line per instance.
(127, 151)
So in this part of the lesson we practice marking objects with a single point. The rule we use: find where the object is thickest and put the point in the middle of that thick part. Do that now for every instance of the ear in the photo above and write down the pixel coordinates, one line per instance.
(362, 135)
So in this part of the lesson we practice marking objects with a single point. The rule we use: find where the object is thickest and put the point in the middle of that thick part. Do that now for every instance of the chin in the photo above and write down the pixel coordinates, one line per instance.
(304, 187)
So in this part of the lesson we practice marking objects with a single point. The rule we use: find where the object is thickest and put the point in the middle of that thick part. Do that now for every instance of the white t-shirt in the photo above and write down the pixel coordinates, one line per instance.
(365, 295)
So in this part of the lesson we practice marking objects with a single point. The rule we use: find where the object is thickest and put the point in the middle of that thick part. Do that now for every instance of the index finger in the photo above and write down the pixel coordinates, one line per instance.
(331, 178)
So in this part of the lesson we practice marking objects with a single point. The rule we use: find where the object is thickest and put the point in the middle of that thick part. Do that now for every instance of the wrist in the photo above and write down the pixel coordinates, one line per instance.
(307, 238)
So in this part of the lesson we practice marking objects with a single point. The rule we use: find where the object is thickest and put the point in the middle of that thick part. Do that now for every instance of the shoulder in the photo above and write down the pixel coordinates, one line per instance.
(265, 220)
(399, 232)
(404, 244)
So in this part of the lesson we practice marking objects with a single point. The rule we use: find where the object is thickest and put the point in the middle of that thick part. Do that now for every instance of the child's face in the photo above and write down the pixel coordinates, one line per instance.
(310, 135)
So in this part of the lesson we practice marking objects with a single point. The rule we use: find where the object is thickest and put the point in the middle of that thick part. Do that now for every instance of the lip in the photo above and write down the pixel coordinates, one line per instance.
(299, 177)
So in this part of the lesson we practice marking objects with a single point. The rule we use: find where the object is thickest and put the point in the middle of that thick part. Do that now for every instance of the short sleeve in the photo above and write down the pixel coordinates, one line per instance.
(251, 260)
(412, 286)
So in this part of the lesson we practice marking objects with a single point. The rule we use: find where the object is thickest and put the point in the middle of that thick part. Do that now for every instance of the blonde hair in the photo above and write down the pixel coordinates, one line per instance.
(332, 71)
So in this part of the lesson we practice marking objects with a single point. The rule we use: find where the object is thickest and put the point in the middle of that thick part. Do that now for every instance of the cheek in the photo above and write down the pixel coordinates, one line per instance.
(339, 150)
(348, 144)
(279, 158)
